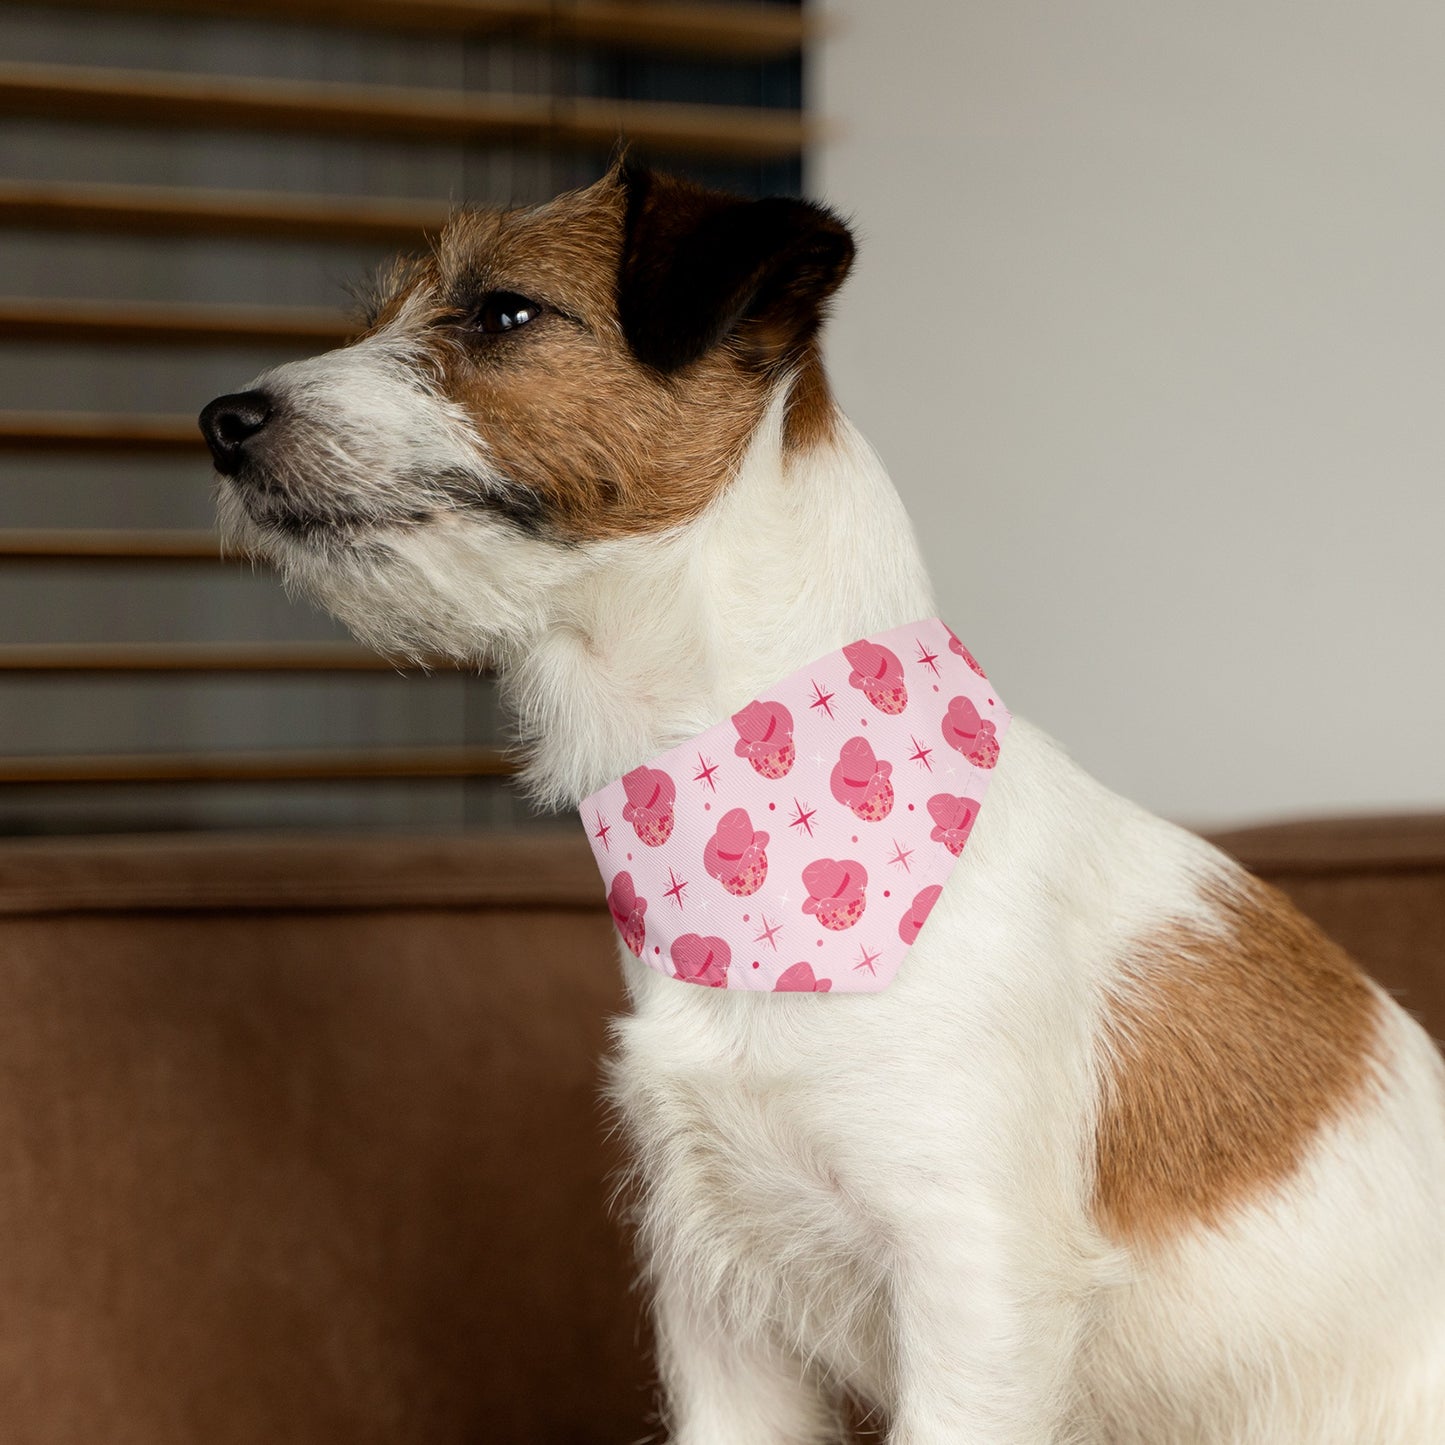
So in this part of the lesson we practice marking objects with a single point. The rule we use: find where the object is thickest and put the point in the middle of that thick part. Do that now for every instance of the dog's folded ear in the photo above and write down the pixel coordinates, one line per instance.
(700, 266)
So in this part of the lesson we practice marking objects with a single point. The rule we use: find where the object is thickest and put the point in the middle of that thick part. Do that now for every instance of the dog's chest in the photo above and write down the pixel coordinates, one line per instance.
(744, 1184)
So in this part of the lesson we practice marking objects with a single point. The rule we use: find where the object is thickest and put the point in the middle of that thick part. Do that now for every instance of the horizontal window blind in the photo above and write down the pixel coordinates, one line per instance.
(187, 187)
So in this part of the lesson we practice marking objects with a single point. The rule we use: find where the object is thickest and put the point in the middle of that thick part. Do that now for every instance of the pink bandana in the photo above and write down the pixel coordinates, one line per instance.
(799, 846)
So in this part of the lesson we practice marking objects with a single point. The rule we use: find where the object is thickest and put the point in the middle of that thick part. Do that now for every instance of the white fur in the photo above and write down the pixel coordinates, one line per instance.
(890, 1194)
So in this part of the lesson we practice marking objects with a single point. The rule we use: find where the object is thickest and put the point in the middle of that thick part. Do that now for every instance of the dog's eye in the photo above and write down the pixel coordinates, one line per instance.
(504, 311)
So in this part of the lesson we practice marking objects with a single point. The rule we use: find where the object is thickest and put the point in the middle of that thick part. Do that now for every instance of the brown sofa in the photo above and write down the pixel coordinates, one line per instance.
(300, 1138)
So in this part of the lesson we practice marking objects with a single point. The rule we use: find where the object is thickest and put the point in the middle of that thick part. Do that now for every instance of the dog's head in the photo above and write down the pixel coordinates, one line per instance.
(545, 383)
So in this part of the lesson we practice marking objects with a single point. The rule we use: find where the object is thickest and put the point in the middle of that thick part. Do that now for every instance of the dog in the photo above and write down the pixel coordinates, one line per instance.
(1126, 1152)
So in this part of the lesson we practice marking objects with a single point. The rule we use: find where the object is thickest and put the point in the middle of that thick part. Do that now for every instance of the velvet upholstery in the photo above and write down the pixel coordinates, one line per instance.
(301, 1141)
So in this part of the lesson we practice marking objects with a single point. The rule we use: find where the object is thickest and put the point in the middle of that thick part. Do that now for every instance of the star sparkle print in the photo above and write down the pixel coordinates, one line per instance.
(800, 845)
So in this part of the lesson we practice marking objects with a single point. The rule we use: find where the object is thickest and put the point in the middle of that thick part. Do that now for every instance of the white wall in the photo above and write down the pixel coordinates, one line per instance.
(1149, 324)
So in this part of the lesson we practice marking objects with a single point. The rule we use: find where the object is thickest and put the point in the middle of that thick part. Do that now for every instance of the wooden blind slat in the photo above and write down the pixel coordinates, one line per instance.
(715, 29)
(190, 657)
(82, 431)
(158, 323)
(69, 544)
(757, 32)
(168, 210)
(156, 98)
(257, 767)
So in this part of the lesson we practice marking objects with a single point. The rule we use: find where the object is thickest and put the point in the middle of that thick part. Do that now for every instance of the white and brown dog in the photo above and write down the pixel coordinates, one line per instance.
(1128, 1152)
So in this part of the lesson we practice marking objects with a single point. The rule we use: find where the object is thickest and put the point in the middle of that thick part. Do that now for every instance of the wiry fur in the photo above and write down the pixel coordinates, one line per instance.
(896, 1195)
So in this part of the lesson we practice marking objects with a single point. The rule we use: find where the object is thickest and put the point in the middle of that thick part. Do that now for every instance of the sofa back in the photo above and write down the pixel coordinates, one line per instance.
(301, 1141)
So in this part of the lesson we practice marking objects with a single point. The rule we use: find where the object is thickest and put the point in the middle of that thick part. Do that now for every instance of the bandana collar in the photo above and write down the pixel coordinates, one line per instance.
(799, 846)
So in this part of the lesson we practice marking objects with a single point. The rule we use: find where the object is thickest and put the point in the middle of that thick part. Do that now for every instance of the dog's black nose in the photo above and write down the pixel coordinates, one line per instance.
(229, 422)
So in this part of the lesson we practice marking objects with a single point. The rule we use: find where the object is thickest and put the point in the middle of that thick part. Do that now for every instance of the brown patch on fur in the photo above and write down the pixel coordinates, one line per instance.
(605, 445)
(812, 414)
(1225, 1056)
(592, 441)
(699, 266)
(383, 298)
